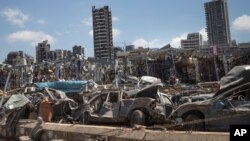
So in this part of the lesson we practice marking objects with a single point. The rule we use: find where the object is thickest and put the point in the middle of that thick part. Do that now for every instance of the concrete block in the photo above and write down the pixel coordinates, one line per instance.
(181, 136)
(69, 132)
(25, 138)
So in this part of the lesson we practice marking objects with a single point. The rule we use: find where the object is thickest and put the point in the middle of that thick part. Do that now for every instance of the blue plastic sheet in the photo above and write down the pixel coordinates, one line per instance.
(65, 86)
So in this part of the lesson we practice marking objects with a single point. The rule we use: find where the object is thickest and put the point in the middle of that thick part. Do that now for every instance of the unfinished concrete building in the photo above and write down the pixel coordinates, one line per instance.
(217, 21)
(42, 51)
(102, 32)
(78, 50)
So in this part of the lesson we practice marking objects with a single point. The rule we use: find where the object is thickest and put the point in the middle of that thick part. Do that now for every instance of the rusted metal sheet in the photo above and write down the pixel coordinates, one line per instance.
(46, 111)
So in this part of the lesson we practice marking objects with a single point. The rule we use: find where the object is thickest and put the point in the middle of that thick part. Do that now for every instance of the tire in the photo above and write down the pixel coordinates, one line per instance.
(137, 117)
(84, 118)
(36, 135)
(199, 126)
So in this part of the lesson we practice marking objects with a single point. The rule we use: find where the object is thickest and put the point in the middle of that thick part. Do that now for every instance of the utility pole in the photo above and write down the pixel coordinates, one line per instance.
(147, 65)
(172, 56)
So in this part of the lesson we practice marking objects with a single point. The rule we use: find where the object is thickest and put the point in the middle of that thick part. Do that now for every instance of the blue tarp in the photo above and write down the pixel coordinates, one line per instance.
(65, 86)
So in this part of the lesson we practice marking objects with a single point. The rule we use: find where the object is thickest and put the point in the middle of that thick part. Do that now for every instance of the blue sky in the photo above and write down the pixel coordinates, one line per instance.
(152, 23)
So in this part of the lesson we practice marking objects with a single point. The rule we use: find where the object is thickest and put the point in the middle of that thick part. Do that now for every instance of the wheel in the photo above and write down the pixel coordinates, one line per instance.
(84, 118)
(137, 117)
(199, 126)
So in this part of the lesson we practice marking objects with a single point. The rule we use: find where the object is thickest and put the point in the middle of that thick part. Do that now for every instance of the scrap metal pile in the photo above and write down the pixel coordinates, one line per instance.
(132, 101)
(77, 69)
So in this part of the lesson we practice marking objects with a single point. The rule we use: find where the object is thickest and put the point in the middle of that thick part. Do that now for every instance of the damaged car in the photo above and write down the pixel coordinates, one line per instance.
(115, 106)
(230, 105)
(13, 108)
(52, 105)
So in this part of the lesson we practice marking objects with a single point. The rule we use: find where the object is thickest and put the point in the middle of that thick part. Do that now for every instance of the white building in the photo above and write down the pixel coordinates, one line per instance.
(193, 41)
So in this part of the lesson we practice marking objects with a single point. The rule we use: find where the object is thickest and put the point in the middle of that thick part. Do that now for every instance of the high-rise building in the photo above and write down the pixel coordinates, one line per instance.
(78, 50)
(193, 41)
(102, 31)
(217, 21)
(43, 51)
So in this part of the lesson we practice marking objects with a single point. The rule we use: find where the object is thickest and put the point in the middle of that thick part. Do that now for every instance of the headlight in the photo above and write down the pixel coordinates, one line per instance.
(152, 105)
(159, 109)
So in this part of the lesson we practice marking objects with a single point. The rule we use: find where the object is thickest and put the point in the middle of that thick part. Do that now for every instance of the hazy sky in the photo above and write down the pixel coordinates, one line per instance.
(66, 23)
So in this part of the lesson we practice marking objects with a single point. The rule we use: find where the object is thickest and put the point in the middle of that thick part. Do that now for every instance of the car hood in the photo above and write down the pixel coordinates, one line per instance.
(197, 103)
(236, 75)
(149, 91)
(239, 75)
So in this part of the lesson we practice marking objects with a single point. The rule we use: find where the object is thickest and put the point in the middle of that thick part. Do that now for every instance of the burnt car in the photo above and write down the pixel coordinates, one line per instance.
(115, 106)
(230, 105)
(52, 105)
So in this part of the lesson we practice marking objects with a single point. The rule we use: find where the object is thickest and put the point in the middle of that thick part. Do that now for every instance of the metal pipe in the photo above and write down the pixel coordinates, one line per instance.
(5, 88)
(7, 81)
(216, 69)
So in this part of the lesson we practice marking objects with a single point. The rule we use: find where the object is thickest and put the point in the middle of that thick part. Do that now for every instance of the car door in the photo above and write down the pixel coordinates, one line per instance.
(110, 107)
(168, 105)
(219, 116)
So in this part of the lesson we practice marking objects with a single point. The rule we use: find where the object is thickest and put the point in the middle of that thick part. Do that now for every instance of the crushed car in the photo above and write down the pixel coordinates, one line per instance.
(12, 109)
(230, 105)
(52, 105)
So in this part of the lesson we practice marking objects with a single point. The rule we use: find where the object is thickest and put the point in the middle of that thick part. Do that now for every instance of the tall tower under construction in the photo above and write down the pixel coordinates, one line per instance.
(102, 32)
(217, 21)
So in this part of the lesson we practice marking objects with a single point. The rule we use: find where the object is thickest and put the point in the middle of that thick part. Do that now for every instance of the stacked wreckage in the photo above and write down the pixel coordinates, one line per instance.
(132, 101)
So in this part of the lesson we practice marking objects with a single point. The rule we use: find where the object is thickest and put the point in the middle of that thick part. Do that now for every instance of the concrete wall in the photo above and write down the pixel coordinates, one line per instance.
(71, 132)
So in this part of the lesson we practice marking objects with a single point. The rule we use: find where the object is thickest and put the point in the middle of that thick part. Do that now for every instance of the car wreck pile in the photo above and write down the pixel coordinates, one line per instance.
(130, 101)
